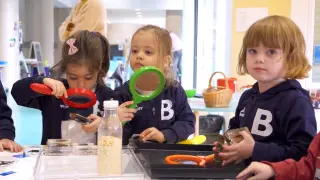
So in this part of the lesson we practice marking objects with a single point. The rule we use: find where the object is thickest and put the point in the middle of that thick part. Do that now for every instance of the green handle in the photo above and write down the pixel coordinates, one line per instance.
(138, 98)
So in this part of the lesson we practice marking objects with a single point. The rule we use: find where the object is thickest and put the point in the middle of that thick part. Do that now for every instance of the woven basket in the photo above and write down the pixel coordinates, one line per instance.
(217, 96)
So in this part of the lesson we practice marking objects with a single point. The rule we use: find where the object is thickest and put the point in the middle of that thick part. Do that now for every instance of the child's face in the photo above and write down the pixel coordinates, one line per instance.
(79, 76)
(265, 64)
(144, 51)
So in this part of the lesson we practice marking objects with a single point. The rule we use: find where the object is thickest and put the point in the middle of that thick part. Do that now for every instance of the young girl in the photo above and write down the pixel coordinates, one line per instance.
(277, 110)
(167, 118)
(85, 61)
(307, 168)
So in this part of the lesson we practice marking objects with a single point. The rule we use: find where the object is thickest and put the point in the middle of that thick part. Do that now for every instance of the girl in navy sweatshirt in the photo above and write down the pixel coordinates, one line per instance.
(85, 61)
(277, 110)
(167, 118)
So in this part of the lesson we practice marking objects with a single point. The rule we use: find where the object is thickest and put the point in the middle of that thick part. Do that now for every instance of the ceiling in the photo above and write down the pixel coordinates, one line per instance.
(134, 16)
(137, 16)
(130, 4)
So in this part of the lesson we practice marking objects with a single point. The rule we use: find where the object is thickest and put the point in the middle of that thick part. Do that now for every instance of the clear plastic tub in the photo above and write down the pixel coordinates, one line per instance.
(85, 167)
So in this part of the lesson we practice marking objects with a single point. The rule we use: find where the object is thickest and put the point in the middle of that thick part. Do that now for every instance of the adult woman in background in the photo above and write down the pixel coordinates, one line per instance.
(86, 15)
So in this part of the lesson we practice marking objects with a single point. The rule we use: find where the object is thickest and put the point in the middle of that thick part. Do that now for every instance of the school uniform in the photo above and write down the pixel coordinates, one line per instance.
(169, 112)
(55, 114)
(7, 130)
(281, 120)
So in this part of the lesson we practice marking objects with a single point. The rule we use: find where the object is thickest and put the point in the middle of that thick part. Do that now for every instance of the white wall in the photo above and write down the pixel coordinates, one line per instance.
(60, 14)
(118, 33)
(9, 14)
(174, 21)
(222, 56)
(38, 25)
(302, 13)
(188, 44)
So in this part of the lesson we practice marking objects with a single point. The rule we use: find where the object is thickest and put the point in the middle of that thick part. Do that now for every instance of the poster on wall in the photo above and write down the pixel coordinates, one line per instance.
(245, 17)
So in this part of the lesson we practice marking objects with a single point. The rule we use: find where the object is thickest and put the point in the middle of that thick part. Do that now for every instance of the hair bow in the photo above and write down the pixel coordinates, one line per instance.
(73, 49)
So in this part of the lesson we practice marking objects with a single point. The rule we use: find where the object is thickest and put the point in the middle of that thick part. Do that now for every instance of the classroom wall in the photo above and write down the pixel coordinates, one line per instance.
(60, 14)
(276, 7)
(174, 21)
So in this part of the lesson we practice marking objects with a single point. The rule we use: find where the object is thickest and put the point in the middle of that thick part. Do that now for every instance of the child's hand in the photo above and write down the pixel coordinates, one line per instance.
(258, 170)
(93, 126)
(238, 152)
(9, 144)
(57, 87)
(152, 134)
(124, 113)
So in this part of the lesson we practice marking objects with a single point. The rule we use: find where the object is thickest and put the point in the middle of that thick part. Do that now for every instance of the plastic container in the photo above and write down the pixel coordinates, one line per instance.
(58, 147)
(190, 93)
(109, 141)
(85, 167)
(152, 157)
(231, 82)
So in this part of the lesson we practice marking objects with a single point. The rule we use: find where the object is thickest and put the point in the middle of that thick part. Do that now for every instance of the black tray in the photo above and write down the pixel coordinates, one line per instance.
(152, 155)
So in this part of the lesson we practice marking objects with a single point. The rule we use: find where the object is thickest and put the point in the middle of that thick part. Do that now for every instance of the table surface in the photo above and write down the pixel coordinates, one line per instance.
(24, 167)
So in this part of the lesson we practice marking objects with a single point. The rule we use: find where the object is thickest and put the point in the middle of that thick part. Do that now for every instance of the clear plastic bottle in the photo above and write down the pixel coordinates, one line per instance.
(110, 141)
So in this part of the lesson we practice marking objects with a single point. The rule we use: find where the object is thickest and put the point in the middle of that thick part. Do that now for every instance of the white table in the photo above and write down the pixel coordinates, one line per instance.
(24, 168)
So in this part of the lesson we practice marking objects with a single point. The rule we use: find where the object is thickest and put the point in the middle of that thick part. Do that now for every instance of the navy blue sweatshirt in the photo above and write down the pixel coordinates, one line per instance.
(169, 112)
(7, 130)
(54, 111)
(281, 120)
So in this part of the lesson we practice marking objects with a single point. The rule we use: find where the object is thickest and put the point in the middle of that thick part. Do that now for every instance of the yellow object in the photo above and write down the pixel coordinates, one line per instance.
(275, 7)
(46, 63)
(194, 141)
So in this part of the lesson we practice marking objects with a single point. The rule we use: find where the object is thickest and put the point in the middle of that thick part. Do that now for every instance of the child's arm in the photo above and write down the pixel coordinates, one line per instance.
(7, 130)
(288, 169)
(25, 96)
(123, 95)
(183, 126)
(299, 127)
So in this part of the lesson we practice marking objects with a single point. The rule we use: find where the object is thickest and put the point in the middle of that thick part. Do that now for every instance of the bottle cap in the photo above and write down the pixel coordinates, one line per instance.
(110, 104)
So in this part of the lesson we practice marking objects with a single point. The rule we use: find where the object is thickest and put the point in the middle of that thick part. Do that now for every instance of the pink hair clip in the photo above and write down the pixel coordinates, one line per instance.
(73, 49)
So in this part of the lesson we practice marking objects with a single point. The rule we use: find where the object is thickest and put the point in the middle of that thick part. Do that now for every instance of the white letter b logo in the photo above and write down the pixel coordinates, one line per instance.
(166, 107)
(258, 120)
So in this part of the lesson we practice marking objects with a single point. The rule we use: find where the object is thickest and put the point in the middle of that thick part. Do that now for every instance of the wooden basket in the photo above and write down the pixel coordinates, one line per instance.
(217, 96)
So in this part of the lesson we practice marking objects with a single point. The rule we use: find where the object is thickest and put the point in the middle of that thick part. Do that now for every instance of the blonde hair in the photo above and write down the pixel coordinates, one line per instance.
(164, 47)
(277, 32)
